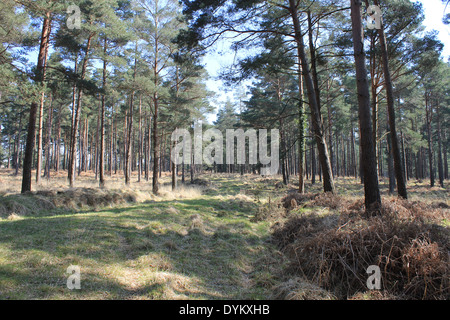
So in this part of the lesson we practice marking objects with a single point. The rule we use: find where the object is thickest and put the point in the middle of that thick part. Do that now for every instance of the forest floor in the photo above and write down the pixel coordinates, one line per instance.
(209, 240)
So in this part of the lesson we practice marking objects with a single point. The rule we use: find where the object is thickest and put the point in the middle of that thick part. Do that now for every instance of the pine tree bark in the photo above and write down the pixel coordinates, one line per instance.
(127, 169)
(301, 134)
(130, 127)
(102, 120)
(140, 141)
(155, 138)
(371, 188)
(398, 165)
(58, 140)
(40, 133)
(328, 182)
(429, 118)
(31, 131)
(440, 162)
(17, 146)
(77, 114)
(445, 153)
(49, 140)
(404, 158)
(374, 94)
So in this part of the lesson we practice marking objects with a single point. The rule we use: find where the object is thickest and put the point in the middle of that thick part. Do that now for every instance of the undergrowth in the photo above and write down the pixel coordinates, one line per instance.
(407, 242)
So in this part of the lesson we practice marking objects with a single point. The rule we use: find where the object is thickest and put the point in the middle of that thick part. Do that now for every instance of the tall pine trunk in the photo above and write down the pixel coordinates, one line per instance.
(398, 165)
(102, 122)
(301, 134)
(155, 138)
(31, 131)
(371, 189)
(440, 161)
(40, 133)
(49, 140)
(429, 118)
(328, 182)
(444, 147)
(76, 118)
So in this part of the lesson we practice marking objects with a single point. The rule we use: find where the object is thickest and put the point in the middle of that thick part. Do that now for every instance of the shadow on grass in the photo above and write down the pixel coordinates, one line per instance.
(153, 238)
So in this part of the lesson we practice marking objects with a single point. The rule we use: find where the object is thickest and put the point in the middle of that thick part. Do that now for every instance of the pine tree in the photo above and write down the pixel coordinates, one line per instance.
(371, 188)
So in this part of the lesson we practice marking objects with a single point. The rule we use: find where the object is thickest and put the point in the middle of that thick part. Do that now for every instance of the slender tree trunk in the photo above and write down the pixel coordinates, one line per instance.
(440, 166)
(352, 137)
(39, 136)
(74, 99)
(398, 166)
(371, 188)
(77, 114)
(97, 141)
(390, 160)
(174, 170)
(28, 159)
(49, 139)
(58, 140)
(66, 139)
(140, 141)
(130, 127)
(41, 117)
(127, 169)
(111, 143)
(115, 148)
(155, 182)
(313, 163)
(328, 183)
(337, 153)
(102, 121)
(374, 94)
(429, 118)
(161, 154)
(312, 52)
(149, 150)
(330, 139)
(9, 152)
(445, 153)
(17, 145)
(404, 160)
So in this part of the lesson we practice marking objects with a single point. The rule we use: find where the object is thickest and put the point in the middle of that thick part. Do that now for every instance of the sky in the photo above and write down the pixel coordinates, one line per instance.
(434, 11)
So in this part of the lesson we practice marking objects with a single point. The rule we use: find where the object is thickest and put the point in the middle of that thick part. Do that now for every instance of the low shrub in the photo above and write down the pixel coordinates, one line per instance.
(334, 251)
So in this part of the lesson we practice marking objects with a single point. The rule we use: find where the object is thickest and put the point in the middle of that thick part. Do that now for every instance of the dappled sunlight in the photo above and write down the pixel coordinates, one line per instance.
(200, 245)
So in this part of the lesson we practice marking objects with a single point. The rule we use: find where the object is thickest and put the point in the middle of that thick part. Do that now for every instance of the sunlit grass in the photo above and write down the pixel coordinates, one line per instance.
(199, 242)
(178, 246)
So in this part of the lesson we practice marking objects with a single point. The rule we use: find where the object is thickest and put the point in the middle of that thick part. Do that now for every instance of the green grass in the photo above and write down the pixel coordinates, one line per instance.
(199, 248)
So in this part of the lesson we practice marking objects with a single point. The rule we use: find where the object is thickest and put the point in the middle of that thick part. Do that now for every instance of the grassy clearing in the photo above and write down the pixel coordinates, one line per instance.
(211, 240)
(189, 246)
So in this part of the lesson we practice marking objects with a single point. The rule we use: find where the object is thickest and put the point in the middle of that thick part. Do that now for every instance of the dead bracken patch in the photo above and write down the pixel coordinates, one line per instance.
(334, 251)
(298, 288)
(299, 198)
(32, 203)
(269, 212)
(329, 200)
(441, 205)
